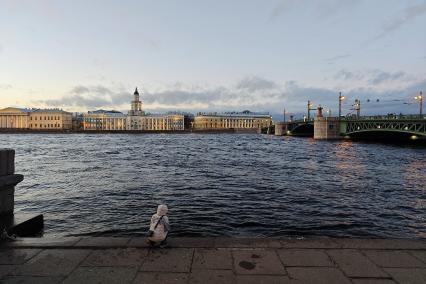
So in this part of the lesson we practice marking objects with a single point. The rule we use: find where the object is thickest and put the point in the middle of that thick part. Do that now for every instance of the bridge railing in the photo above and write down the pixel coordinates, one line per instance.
(391, 117)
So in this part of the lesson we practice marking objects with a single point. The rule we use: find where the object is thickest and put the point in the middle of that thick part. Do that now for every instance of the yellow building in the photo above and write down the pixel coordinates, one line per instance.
(156, 122)
(16, 118)
(50, 119)
(138, 120)
(232, 120)
(104, 120)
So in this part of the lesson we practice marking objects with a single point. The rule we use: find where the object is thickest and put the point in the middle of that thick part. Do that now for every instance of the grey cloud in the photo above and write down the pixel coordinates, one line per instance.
(381, 77)
(280, 8)
(334, 59)
(254, 83)
(372, 77)
(396, 22)
(79, 90)
(5, 86)
(90, 97)
(272, 97)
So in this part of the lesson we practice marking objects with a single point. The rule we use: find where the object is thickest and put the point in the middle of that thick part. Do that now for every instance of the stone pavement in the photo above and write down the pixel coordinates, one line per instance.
(213, 260)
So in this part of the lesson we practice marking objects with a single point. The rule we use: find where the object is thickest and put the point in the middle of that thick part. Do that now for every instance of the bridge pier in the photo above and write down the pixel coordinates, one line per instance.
(327, 128)
(280, 128)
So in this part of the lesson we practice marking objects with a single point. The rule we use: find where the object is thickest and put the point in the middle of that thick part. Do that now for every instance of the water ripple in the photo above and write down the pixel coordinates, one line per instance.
(220, 185)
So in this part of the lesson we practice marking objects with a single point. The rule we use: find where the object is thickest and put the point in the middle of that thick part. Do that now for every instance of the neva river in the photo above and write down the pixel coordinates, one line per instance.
(220, 185)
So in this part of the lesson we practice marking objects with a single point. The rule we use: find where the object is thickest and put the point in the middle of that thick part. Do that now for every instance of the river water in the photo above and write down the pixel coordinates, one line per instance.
(243, 185)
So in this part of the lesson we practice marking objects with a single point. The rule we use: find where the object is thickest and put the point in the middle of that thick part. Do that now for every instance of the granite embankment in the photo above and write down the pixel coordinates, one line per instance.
(213, 260)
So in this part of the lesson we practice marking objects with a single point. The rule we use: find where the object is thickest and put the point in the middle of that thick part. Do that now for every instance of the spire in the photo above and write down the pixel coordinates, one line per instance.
(136, 91)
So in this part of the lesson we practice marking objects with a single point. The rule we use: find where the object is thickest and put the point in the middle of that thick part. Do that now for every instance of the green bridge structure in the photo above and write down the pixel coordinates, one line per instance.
(398, 127)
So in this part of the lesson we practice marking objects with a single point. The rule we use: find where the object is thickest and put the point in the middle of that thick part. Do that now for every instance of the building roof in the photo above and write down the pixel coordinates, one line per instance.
(136, 91)
(102, 112)
(49, 110)
(15, 110)
(245, 114)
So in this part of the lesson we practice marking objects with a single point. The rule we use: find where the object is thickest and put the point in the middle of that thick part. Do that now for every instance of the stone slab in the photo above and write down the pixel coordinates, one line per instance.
(17, 256)
(31, 280)
(102, 242)
(138, 242)
(408, 275)
(387, 258)
(212, 259)
(420, 254)
(116, 257)
(246, 243)
(262, 279)
(161, 278)
(170, 260)
(212, 277)
(317, 275)
(391, 244)
(7, 270)
(53, 262)
(41, 242)
(257, 262)
(310, 243)
(355, 264)
(373, 281)
(304, 257)
(191, 242)
(107, 275)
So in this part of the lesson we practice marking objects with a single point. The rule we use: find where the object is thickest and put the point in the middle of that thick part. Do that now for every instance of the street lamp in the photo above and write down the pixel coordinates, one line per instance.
(309, 109)
(341, 98)
(420, 98)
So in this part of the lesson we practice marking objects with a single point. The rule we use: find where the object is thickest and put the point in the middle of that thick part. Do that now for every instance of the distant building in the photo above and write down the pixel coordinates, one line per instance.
(138, 120)
(232, 120)
(48, 119)
(77, 121)
(16, 118)
(104, 120)
(37, 119)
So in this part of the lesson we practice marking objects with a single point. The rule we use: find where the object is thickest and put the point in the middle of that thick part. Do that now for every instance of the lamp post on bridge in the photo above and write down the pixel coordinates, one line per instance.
(341, 98)
(309, 110)
(420, 98)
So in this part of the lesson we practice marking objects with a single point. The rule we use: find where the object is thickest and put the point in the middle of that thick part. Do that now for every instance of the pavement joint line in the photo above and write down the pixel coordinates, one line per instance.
(380, 267)
(337, 266)
(77, 266)
(192, 260)
(282, 263)
(416, 257)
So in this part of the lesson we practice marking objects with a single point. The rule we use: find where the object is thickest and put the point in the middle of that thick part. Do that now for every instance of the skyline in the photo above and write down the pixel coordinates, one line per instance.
(212, 56)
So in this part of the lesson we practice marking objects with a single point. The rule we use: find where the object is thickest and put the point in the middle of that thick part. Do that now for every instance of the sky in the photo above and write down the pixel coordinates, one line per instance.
(207, 56)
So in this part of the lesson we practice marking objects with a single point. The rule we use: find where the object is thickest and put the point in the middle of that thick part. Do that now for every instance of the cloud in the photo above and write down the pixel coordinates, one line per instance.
(253, 93)
(280, 8)
(89, 97)
(5, 86)
(409, 14)
(254, 83)
(334, 59)
(373, 77)
(382, 77)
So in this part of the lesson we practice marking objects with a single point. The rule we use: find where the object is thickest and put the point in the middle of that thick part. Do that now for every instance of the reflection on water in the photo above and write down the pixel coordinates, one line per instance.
(220, 185)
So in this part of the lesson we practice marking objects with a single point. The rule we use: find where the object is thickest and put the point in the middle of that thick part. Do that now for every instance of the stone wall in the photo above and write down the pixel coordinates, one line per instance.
(8, 180)
(327, 128)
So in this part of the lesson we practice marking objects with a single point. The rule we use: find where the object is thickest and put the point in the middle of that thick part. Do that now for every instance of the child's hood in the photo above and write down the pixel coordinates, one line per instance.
(162, 210)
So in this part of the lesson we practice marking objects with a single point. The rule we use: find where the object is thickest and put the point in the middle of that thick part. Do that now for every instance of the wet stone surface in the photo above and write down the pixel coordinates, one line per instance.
(111, 261)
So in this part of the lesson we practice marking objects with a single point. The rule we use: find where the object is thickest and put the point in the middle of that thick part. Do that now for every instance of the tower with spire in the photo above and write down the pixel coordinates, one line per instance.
(136, 105)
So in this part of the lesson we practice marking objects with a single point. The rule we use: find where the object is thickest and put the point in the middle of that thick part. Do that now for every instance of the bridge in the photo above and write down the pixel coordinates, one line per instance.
(365, 127)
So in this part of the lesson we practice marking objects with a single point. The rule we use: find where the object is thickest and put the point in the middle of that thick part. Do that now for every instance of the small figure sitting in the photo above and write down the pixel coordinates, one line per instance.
(159, 227)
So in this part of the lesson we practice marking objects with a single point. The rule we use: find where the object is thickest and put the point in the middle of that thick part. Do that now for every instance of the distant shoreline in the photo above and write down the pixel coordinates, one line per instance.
(54, 131)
